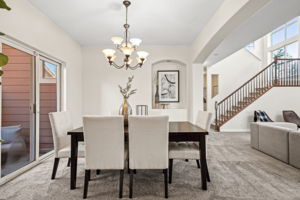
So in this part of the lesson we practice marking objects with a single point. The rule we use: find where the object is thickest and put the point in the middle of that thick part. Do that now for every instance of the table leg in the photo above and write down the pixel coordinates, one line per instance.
(202, 148)
(74, 153)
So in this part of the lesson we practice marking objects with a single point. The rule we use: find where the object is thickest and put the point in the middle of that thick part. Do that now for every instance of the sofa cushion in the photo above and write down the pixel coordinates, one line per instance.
(254, 135)
(273, 140)
(288, 125)
(294, 148)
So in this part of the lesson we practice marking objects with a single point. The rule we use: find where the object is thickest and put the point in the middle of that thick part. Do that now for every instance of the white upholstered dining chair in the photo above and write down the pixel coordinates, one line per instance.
(104, 146)
(148, 145)
(189, 150)
(61, 123)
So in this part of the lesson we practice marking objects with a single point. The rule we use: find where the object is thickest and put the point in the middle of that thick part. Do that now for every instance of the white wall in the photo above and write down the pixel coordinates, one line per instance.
(233, 71)
(273, 102)
(27, 24)
(100, 81)
(196, 101)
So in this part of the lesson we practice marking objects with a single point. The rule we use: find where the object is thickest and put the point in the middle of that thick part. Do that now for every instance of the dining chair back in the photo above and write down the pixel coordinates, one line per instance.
(104, 142)
(61, 123)
(104, 146)
(204, 119)
(148, 142)
(148, 145)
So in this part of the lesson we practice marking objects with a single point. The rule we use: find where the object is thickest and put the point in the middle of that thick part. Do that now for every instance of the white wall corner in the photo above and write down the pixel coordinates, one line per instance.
(197, 90)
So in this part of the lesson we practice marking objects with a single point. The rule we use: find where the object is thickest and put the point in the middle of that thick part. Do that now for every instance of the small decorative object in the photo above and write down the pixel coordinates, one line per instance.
(125, 108)
(127, 47)
(141, 110)
(168, 86)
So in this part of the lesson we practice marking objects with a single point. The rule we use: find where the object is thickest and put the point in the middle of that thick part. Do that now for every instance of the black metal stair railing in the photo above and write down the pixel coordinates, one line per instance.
(280, 73)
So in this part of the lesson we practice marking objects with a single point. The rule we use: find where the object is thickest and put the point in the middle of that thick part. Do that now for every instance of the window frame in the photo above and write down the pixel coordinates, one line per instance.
(286, 42)
(284, 27)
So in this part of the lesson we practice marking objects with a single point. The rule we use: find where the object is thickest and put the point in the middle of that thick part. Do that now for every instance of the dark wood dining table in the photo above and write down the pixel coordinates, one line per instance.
(178, 132)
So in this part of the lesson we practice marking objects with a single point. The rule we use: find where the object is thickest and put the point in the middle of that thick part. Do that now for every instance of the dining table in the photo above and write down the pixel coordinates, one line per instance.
(178, 132)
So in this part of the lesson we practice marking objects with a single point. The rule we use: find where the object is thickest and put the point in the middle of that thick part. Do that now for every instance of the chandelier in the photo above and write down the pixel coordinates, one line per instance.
(126, 47)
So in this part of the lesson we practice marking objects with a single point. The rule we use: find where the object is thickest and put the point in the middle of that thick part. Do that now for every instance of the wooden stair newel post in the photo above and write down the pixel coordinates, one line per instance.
(276, 71)
(216, 116)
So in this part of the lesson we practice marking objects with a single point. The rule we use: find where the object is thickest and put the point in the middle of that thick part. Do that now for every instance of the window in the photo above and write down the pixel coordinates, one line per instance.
(250, 46)
(288, 51)
(291, 50)
(49, 70)
(284, 32)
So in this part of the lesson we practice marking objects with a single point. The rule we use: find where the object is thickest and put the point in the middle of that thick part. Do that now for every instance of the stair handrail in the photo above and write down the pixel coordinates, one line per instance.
(224, 109)
(247, 82)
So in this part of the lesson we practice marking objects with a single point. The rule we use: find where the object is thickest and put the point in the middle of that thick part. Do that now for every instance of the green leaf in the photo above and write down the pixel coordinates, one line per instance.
(3, 59)
(3, 5)
(1, 34)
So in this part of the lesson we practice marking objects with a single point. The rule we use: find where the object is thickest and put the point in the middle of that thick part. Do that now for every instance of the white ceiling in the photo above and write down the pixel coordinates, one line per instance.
(156, 22)
(271, 16)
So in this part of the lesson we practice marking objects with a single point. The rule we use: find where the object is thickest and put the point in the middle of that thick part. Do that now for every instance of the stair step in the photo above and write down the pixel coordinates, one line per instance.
(242, 102)
(260, 89)
(230, 112)
(254, 94)
(236, 107)
(249, 98)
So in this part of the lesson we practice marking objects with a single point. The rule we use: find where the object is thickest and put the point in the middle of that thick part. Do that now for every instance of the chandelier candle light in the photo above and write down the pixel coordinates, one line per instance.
(126, 47)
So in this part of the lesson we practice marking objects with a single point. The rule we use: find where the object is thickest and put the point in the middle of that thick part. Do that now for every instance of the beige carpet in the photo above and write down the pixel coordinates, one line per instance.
(236, 170)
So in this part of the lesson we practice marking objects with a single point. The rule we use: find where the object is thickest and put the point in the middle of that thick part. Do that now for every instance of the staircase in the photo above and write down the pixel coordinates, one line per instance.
(280, 73)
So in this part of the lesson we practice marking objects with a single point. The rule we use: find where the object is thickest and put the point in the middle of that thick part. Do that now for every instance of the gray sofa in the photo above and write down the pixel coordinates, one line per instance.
(280, 140)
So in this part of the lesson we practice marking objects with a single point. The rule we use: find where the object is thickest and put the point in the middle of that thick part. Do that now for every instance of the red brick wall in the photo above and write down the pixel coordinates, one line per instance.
(16, 97)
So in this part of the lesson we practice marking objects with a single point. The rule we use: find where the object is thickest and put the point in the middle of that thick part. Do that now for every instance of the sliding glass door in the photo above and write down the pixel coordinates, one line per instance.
(17, 116)
(49, 90)
(30, 89)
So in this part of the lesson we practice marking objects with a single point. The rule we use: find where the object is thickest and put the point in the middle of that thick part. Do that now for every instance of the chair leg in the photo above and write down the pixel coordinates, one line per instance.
(208, 177)
(121, 184)
(86, 182)
(98, 171)
(69, 162)
(56, 161)
(130, 183)
(170, 170)
(198, 163)
(166, 183)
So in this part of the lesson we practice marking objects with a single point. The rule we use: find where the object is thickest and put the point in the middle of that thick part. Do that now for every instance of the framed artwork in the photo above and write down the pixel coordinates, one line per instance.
(168, 86)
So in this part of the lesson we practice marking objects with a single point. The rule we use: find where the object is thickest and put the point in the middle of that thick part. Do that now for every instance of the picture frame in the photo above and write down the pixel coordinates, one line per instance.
(168, 86)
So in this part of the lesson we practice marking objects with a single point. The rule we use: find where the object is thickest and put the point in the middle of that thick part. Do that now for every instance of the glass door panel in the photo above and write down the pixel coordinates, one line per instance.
(17, 118)
(48, 95)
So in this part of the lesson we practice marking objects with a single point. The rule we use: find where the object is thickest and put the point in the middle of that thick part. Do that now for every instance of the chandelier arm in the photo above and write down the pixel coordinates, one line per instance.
(135, 67)
(117, 66)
